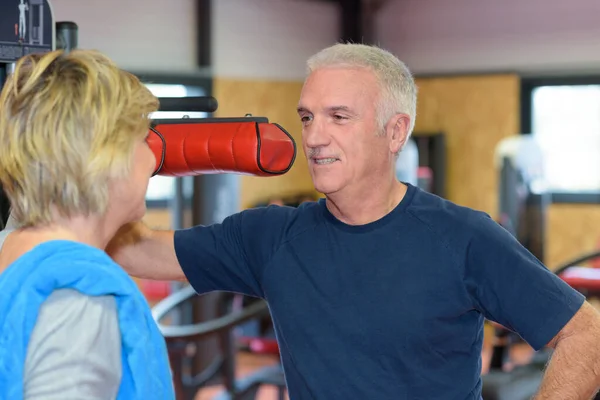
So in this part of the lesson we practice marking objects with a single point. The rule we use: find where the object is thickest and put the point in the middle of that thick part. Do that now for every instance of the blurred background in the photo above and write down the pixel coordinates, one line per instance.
(508, 118)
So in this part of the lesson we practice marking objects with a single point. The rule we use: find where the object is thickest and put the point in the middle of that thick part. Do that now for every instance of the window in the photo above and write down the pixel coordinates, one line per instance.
(162, 188)
(565, 119)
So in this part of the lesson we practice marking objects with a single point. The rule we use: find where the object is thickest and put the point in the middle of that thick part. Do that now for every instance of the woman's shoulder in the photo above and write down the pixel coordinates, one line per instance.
(84, 330)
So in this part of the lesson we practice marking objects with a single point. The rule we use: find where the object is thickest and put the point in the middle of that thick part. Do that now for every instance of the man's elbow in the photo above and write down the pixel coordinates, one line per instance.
(582, 329)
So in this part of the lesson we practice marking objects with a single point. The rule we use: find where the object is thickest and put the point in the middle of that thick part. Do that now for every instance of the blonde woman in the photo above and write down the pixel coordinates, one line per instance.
(75, 166)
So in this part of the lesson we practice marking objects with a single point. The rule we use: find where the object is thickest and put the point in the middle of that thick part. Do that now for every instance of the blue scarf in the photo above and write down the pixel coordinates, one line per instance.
(61, 264)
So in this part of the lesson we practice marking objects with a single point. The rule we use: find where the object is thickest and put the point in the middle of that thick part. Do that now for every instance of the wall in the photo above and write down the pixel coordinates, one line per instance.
(270, 39)
(573, 229)
(260, 47)
(259, 52)
(472, 36)
(475, 113)
(259, 67)
(277, 100)
(140, 35)
(435, 36)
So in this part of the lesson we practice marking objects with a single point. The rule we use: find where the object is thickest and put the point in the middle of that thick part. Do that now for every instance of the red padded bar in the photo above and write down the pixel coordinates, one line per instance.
(252, 148)
(582, 278)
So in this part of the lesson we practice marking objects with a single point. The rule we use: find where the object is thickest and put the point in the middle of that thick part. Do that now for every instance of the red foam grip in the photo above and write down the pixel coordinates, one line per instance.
(252, 148)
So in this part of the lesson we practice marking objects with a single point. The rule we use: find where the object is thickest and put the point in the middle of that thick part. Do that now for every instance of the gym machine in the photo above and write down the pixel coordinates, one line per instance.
(523, 200)
(523, 206)
(212, 148)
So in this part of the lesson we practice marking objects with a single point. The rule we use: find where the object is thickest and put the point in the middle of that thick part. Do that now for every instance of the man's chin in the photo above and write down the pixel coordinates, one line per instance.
(327, 188)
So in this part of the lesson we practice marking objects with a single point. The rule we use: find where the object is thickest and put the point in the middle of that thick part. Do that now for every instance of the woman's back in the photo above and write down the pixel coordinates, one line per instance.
(90, 363)
(85, 330)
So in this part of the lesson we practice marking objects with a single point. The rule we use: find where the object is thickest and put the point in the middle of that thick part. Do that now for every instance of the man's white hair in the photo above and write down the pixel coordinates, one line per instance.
(398, 89)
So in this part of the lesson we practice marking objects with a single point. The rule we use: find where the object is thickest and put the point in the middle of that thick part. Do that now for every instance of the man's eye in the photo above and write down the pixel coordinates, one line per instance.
(306, 118)
(339, 117)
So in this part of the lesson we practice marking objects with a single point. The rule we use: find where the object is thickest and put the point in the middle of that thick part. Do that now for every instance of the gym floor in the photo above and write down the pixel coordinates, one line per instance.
(247, 363)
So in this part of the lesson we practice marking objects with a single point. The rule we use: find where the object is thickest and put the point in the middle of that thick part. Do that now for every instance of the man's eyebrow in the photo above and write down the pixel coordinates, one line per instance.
(339, 108)
(302, 109)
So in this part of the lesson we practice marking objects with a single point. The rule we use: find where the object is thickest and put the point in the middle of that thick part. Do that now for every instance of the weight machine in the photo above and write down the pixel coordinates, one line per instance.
(523, 206)
(238, 145)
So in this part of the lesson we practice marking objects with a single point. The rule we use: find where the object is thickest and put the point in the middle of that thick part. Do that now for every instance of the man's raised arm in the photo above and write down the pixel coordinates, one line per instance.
(146, 253)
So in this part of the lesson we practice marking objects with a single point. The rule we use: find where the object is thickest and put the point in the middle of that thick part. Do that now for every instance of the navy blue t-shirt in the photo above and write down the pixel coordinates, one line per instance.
(393, 309)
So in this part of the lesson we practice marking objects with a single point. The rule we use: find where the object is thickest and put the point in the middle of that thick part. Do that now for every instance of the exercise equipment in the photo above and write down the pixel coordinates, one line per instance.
(186, 147)
(407, 164)
(201, 148)
(183, 341)
(523, 200)
(523, 381)
(523, 206)
(244, 145)
(25, 27)
(432, 171)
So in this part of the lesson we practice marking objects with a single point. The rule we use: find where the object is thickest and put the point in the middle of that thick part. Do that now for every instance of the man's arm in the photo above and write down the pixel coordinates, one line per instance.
(574, 370)
(227, 256)
(146, 253)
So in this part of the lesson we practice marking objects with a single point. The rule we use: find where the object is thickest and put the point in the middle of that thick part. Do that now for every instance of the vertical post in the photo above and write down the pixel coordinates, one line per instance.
(351, 20)
(203, 32)
(215, 197)
(41, 25)
(67, 35)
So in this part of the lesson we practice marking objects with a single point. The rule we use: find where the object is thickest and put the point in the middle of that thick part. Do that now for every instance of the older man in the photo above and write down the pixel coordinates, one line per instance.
(380, 290)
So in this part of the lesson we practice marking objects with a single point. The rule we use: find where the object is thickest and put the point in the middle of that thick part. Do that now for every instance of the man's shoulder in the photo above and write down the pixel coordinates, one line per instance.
(466, 233)
(451, 221)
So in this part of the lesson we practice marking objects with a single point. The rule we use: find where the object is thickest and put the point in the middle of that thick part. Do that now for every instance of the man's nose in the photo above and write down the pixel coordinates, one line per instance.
(315, 134)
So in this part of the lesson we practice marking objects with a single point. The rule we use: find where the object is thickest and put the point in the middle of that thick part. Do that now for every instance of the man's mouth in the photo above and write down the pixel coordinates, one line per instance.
(324, 161)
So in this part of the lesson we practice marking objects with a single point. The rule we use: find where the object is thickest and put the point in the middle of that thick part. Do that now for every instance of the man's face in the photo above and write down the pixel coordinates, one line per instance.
(338, 109)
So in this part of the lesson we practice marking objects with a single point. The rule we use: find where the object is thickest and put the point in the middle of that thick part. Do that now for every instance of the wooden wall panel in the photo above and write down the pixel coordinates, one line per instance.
(276, 101)
(475, 113)
(573, 229)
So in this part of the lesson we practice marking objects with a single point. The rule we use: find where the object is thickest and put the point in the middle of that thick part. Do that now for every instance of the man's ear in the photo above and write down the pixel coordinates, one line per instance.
(397, 130)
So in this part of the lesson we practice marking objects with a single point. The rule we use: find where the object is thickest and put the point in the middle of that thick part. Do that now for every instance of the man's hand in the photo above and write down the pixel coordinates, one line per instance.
(574, 370)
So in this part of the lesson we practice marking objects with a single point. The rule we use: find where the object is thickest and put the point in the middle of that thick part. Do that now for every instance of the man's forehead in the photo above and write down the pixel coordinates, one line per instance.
(328, 97)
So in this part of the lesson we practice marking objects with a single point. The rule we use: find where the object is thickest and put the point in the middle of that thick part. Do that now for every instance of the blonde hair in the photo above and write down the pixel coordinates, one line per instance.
(398, 88)
(69, 123)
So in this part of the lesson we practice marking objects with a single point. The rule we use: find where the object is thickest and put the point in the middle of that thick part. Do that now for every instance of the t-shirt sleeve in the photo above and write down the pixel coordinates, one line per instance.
(231, 256)
(74, 351)
(512, 287)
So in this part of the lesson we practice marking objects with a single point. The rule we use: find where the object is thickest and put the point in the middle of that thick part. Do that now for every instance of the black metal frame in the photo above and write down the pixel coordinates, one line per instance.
(433, 154)
(528, 85)
(183, 339)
